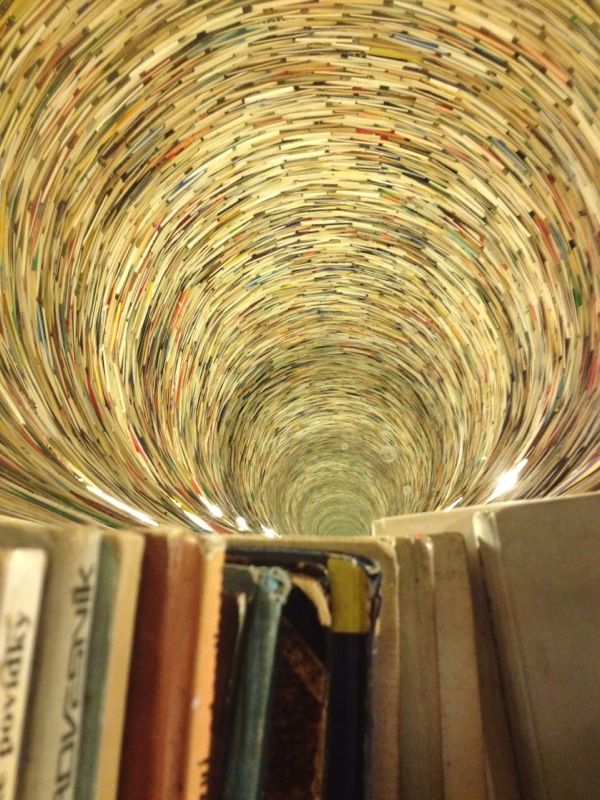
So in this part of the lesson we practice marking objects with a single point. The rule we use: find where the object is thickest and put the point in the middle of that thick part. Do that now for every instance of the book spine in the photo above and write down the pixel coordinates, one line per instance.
(22, 579)
(200, 720)
(53, 735)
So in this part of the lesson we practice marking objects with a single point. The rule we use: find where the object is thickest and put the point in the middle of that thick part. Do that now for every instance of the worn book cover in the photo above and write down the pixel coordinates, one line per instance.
(500, 758)
(542, 562)
(108, 672)
(463, 749)
(421, 774)
(55, 714)
(162, 667)
(360, 669)
(198, 741)
(267, 589)
(22, 574)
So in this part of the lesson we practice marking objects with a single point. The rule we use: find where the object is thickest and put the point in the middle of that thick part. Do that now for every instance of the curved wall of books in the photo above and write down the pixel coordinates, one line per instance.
(296, 264)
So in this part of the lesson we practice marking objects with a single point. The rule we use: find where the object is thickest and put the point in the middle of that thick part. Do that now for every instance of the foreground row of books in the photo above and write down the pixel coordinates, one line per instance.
(449, 655)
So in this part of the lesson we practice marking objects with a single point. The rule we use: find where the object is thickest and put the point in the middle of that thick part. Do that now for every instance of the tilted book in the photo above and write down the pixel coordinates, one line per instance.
(542, 566)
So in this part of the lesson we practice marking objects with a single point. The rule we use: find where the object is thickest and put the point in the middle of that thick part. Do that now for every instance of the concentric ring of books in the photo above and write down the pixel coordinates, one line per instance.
(310, 263)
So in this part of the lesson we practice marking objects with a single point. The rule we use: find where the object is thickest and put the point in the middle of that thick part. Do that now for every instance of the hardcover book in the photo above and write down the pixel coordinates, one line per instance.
(267, 589)
(541, 563)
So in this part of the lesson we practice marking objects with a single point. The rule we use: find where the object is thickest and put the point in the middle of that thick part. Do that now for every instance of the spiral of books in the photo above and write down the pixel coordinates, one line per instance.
(293, 266)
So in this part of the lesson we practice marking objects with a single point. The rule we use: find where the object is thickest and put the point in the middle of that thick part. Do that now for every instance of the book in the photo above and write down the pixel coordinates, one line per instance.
(198, 744)
(297, 736)
(267, 589)
(231, 639)
(541, 564)
(53, 729)
(163, 667)
(499, 751)
(463, 751)
(420, 737)
(364, 657)
(108, 672)
(22, 574)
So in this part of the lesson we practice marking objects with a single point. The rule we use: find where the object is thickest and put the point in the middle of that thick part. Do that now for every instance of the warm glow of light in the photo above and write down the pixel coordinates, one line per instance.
(212, 507)
(508, 480)
(269, 532)
(133, 512)
(198, 521)
(241, 523)
(454, 504)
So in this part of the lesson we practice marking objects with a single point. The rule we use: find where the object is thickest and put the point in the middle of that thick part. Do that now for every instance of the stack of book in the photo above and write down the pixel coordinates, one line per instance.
(449, 655)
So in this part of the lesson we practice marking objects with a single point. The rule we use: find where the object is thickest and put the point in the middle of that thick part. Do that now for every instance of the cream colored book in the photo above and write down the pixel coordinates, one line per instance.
(500, 759)
(542, 570)
(108, 670)
(463, 751)
(22, 574)
(54, 722)
(421, 774)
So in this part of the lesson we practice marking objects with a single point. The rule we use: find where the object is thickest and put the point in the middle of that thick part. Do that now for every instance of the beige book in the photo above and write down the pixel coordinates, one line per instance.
(385, 688)
(421, 775)
(54, 720)
(542, 569)
(463, 750)
(198, 746)
(108, 669)
(21, 584)
(500, 758)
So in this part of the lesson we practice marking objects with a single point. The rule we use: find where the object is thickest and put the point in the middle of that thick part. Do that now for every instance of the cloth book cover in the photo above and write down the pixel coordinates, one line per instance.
(53, 729)
(22, 574)
(163, 667)
(355, 589)
(267, 589)
(108, 672)
(296, 749)
(542, 566)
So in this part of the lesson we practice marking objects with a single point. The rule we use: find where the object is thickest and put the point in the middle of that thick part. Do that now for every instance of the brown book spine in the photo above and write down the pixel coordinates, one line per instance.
(161, 669)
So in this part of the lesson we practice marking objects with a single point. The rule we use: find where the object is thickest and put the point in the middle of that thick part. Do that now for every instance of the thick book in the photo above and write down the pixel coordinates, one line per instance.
(500, 757)
(22, 574)
(54, 720)
(108, 672)
(542, 567)
(364, 658)
(421, 773)
(298, 741)
(267, 589)
(463, 751)
(162, 679)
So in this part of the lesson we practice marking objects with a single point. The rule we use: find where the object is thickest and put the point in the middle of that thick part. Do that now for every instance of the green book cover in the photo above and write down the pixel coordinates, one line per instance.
(267, 589)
